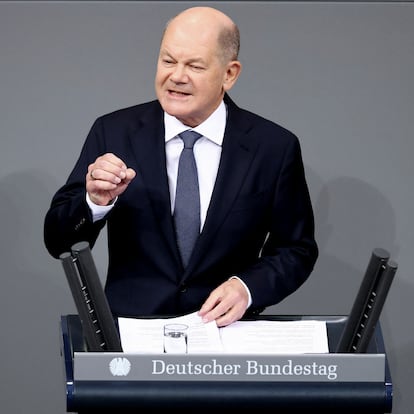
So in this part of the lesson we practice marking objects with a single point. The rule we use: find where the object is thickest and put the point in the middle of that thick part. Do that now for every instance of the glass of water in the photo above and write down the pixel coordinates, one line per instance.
(175, 338)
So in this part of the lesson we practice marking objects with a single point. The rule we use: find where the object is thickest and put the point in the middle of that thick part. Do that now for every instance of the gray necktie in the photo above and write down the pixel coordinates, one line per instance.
(187, 198)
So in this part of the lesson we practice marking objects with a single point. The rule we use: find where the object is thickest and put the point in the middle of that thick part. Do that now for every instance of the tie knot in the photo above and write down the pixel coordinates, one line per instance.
(189, 137)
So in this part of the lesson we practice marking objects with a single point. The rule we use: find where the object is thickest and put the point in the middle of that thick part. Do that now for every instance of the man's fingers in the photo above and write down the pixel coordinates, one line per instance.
(110, 168)
(226, 304)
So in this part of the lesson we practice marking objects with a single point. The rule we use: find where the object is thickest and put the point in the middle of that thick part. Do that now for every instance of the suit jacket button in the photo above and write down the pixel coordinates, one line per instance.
(183, 288)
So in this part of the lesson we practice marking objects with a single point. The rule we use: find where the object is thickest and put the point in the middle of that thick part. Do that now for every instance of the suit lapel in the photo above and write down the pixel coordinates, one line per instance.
(238, 152)
(148, 146)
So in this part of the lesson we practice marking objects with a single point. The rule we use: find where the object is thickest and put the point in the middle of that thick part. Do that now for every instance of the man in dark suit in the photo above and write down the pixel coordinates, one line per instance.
(256, 243)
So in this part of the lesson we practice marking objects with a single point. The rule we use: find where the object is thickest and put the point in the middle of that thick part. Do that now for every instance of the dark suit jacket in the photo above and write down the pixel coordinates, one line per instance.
(259, 225)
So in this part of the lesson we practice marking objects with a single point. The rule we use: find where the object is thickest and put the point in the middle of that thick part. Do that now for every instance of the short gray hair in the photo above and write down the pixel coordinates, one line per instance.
(229, 43)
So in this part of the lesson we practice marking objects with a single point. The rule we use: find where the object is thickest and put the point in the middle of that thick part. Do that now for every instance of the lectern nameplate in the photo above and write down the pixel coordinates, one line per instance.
(108, 366)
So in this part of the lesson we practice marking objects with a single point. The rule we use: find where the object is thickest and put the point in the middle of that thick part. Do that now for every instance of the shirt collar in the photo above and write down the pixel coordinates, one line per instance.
(212, 128)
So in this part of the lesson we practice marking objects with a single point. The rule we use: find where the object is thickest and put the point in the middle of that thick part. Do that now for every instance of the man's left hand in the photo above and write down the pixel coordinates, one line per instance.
(225, 304)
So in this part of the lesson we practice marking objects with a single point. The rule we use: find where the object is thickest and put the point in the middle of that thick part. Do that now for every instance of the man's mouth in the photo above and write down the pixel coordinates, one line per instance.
(177, 93)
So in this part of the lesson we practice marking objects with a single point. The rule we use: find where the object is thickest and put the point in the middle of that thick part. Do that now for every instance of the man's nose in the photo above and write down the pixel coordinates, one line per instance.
(179, 74)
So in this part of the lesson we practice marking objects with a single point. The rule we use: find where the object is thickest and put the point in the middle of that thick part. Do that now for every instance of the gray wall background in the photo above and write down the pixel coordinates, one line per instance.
(339, 75)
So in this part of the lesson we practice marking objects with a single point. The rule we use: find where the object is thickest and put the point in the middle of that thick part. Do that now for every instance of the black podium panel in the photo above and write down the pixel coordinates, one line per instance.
(206, 396)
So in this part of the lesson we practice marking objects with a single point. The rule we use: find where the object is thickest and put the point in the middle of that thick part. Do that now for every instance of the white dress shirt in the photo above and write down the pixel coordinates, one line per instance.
(207, 152)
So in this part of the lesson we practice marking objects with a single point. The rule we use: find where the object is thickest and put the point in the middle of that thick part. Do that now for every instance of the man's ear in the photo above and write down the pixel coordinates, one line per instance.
(232, 73)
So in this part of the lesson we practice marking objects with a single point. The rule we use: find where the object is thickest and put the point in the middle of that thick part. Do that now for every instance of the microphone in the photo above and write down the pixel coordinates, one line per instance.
(368, 303)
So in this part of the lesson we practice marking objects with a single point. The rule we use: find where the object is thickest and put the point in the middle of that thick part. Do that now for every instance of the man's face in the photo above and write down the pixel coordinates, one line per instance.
(191, 80)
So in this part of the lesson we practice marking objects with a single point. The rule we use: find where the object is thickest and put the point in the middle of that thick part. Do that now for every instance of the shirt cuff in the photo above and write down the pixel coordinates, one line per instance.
(98, 212)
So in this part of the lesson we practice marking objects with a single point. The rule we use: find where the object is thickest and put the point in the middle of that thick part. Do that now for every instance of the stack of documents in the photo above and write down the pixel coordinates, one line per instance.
(241, 337)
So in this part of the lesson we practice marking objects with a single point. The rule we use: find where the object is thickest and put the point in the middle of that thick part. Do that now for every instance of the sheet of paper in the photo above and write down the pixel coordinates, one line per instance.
(275, 337)
(146, 335)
